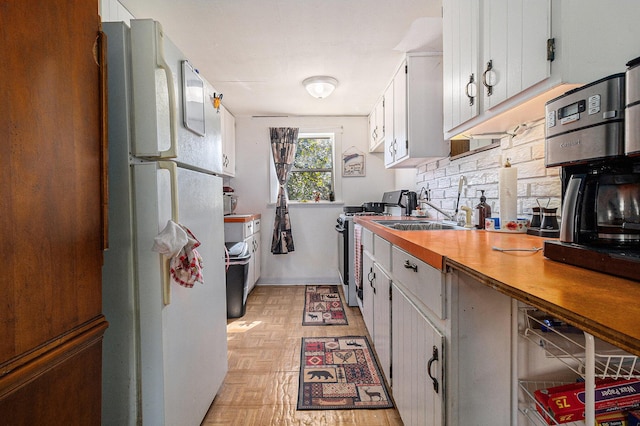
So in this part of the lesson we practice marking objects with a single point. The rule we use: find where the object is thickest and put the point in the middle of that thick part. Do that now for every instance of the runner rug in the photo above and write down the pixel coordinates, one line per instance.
(340, 373)
(323, 306)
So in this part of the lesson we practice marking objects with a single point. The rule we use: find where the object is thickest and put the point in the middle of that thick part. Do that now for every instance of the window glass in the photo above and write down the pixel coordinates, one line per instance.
(312, 174)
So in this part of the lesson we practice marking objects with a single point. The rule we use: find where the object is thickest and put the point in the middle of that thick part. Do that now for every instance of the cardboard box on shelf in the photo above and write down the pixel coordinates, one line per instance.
(612, 419)
(566, 403)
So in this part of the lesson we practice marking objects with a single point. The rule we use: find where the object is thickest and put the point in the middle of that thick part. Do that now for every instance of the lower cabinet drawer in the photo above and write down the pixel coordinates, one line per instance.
(367, 240)
(425, 282)
(382, 252)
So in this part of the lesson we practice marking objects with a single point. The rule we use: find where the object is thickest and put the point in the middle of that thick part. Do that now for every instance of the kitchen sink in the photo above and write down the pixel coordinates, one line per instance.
(418, 225)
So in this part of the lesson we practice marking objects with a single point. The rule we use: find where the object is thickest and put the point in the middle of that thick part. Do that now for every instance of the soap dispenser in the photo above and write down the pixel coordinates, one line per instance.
(484, 210)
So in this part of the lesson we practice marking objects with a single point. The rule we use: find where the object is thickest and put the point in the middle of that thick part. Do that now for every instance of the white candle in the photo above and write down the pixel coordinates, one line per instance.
(508, 193)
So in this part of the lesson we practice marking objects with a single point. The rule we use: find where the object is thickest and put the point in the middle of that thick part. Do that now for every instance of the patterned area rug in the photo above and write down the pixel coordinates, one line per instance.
(340, 373)
(323, 306)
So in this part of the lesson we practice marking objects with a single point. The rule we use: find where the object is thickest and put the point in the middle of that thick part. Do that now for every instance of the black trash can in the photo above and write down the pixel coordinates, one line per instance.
(237, 275)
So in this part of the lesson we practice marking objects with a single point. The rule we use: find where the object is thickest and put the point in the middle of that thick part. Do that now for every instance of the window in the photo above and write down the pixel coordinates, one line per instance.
(312, 174)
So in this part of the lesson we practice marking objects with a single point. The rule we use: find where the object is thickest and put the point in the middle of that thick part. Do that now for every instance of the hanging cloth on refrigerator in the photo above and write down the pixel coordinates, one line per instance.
(178, 242)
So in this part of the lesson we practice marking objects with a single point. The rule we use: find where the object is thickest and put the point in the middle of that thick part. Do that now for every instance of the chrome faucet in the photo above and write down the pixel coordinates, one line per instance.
(449, 216)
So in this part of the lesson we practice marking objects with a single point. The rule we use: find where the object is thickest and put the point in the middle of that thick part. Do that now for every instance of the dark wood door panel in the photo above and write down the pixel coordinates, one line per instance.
(50, 187)
(67, 392)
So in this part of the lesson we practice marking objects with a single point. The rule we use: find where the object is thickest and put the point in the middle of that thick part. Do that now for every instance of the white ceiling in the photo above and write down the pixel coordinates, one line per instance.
(257, 52)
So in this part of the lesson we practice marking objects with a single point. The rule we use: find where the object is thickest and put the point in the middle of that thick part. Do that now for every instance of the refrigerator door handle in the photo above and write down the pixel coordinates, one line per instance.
(172, 152)
(172, 168)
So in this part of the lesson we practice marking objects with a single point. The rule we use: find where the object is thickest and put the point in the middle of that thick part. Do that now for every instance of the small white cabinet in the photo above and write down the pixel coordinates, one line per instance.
(413, 113)
(228, 124)
(249, 232)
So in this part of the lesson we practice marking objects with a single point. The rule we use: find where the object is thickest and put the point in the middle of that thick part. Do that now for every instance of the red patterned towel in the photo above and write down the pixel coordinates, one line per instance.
(357, 250)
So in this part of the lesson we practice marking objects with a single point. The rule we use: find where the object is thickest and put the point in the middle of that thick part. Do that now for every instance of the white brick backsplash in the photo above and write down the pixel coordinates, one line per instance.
(481, 171)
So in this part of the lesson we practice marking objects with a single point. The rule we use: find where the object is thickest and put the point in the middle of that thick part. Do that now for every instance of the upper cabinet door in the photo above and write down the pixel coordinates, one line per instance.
(228, 142)
(460, 68)
(513, 51)
(401, 145)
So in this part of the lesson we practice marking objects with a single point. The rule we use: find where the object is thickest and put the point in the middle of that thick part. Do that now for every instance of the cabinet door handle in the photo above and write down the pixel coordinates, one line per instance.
(433, 359)
(488, 78)
(470, 89)
(371, 276)
(410, 265)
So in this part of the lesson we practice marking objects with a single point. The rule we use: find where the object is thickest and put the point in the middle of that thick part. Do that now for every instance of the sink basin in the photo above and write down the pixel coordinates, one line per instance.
(417, 225)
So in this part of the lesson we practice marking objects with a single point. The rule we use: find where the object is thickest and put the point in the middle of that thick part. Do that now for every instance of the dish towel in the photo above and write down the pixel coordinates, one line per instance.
(357, 250)
(178, 243)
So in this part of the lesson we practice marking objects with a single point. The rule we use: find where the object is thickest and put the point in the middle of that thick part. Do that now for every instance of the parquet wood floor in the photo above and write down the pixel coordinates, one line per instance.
(261, 387)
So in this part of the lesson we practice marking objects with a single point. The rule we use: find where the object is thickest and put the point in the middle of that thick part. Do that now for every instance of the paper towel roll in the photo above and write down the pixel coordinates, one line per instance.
(508, 193)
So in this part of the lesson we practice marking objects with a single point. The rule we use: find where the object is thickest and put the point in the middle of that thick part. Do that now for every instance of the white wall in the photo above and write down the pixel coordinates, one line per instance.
(113, 11)
(315, 257)
(481, 170)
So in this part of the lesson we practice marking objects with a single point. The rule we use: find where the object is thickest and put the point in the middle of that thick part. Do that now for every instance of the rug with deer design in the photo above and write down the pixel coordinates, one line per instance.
(340, 373)
(323, 306)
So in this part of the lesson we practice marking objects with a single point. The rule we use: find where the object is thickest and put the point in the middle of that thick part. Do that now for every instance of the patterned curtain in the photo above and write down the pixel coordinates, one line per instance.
(284, 141)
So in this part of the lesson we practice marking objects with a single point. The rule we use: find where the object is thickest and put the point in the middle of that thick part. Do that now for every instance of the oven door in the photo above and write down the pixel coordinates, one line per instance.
(343, 262)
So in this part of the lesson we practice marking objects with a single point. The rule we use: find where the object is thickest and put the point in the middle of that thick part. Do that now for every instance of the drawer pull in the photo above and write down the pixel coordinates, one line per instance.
(410, 265)
(431, 361)
(371, 276)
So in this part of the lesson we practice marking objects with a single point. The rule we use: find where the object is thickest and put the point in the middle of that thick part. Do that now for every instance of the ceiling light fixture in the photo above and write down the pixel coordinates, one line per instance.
(320, 86)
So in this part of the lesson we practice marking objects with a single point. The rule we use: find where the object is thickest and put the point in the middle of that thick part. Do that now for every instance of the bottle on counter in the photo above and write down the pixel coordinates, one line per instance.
(483, 210)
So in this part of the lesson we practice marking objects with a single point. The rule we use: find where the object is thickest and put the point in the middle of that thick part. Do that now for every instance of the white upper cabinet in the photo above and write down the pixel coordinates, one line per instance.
(228, 122)
(413, 113)
(528, 52)
(376, 127)
(388, 124)
(514, 56)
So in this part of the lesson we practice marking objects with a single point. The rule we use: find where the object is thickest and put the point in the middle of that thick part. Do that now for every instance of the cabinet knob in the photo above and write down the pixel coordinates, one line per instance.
(471, 90)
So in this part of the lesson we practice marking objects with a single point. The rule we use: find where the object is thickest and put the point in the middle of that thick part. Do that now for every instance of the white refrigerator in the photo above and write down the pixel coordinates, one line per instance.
(165, 351)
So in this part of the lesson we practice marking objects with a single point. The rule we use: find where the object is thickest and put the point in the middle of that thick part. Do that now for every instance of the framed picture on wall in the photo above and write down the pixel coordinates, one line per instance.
(353, 163)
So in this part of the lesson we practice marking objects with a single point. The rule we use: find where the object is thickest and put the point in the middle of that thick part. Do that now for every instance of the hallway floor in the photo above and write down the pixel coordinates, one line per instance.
(261, 386)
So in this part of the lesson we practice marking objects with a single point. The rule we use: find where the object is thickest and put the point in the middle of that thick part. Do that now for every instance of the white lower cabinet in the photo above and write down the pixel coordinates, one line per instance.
(382, 318)
(418, 349)
(367, 291)
(451, 340)
(376, 307)
(249, 232)
(473, 337)
(478, 372)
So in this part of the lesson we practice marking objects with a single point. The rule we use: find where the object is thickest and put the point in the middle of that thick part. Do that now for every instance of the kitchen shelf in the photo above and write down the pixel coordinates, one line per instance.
(567, 344)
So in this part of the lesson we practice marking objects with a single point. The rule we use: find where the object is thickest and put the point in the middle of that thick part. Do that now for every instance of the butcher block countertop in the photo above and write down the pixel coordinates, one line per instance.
(603, 305)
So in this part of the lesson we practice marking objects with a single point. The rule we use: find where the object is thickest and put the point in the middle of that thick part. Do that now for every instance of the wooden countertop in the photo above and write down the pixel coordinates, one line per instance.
(241, 217)
(603, 305)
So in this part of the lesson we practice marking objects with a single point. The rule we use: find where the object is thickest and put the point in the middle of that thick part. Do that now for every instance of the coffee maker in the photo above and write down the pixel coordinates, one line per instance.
(585, 135)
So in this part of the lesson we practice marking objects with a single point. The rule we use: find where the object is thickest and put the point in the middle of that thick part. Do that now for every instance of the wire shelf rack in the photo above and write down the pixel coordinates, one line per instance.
(567, 344)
